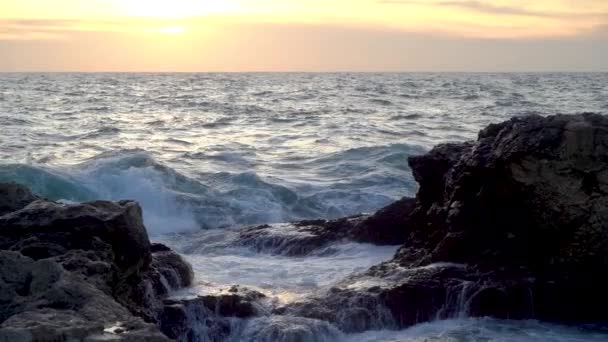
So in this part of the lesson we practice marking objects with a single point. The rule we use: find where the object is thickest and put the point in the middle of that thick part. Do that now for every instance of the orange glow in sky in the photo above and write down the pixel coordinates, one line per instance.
(322, 34)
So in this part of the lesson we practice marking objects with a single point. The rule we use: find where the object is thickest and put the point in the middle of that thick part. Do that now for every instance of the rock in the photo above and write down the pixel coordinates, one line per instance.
(388, 226)
(387, 296)
(14, 197)
(82, 272)
(144, 295)
(296, 239)
(210, 316)
(82, 226)
(350, 309)
(235, 302)
(526, 208)
(531, 194)
(43, 302)
(190, 320)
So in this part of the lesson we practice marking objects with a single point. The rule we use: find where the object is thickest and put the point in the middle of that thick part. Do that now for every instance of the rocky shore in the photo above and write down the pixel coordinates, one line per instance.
(513, 225)
(81, 271)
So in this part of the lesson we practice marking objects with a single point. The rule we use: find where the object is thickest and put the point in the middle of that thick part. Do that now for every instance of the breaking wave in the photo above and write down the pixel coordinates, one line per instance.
(339, 184)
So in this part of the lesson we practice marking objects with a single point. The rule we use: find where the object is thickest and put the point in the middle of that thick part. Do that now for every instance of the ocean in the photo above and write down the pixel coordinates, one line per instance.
(205, 154)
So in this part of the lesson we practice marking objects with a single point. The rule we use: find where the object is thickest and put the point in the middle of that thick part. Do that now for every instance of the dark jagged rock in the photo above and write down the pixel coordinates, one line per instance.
(87, 226)
(43, 302)
(389, 226)
(530, 198)
(190, 320)
(388, 296)
(297, 239)
(144, 294)
(14, 197)
(237, 301)
(195, 318)
(526, 207)
(81, 271)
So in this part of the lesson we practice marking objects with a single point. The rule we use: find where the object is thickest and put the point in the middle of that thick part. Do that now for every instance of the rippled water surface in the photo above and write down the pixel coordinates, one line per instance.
(255, 147)
(202, 151)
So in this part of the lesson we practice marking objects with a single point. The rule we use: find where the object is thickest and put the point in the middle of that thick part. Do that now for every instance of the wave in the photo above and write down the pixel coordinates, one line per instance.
(103, 131)
(381, 102)
(339, 184)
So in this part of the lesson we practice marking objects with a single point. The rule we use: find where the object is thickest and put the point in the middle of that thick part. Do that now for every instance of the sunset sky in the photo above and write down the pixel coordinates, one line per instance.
(303, 35)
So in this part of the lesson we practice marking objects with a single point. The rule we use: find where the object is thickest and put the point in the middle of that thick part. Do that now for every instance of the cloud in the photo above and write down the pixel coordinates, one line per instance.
(33, 29)
(50, 29)
(488, 8)
(306, 47)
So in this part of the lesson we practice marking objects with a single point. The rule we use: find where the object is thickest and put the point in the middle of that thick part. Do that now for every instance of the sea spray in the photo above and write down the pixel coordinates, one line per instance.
(174, 202)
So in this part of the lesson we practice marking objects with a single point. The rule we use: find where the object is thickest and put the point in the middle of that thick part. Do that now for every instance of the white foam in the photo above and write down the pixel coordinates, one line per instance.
(288, 278)
(112, 179)
(481, 329)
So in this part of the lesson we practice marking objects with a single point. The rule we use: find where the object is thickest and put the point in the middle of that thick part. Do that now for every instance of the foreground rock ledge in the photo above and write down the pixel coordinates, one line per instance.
(514, 225)
(81, 271)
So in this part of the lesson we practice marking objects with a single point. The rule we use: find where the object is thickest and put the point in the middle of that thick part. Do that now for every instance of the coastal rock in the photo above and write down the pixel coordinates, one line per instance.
(114, 227)
(526, 207)
(14, 197)
(297, 239)
(190, 319)
(208, 317)
(387, 296)
(514, 225)
(81, 271)
(43, 302)
(389, 226)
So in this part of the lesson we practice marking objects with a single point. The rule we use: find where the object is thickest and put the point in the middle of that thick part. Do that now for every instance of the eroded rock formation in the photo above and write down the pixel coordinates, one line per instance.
(81, 271)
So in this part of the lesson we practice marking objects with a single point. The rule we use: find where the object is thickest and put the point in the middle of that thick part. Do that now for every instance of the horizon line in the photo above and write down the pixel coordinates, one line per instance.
(308, 72)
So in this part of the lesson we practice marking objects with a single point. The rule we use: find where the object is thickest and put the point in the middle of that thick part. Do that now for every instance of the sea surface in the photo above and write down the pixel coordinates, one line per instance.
(205, 153)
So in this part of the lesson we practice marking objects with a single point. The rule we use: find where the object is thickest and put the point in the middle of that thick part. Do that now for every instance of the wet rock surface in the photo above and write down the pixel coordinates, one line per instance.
(526, 206)
(209, 316)
(386, 227)
(14, 197)
(81, 271)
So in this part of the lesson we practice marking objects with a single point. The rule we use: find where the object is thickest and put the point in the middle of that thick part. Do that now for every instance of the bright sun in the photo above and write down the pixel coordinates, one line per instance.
(171, 30)
(175, 8)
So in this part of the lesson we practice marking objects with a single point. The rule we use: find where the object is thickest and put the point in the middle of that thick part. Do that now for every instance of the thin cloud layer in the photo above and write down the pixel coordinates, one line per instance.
(494, 9)
(310, 35)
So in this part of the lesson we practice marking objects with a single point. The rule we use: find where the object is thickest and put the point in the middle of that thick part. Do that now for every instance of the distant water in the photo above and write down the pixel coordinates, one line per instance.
(203, 151)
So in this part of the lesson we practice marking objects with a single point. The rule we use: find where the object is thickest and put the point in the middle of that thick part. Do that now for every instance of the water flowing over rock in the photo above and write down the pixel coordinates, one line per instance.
(210, 317)
(527, 205)
(514, 225)
(81, 271)
(386, 227)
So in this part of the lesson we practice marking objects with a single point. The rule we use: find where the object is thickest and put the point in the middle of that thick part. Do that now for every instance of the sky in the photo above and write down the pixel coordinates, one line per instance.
(303, 35)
